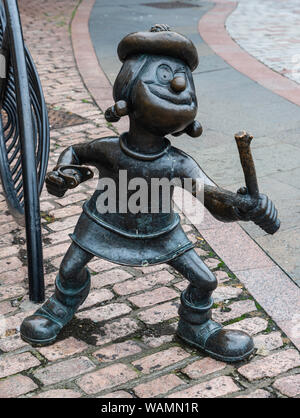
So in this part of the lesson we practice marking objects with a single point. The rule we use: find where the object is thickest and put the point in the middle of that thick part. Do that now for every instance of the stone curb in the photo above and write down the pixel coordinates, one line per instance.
(268, 284)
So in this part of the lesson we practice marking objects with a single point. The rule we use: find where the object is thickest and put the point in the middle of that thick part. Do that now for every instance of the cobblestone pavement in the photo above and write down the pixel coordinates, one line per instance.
(121, 343)
(269, 30)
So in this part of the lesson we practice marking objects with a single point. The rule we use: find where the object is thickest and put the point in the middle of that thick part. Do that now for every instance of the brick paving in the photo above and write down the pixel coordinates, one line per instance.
(269, 30)
(121, 343)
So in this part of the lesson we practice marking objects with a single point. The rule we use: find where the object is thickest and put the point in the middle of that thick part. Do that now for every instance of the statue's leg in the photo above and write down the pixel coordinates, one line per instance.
(72, 286)
(195, 324)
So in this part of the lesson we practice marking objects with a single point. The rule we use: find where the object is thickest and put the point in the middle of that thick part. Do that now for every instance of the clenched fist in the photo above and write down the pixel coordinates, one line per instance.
(58, 181)
(264, 214)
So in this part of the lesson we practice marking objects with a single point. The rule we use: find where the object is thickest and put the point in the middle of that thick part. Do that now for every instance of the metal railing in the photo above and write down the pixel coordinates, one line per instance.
(24, 139)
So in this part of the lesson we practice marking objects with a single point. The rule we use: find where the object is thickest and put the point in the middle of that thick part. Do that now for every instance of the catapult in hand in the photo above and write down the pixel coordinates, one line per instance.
(155, 89)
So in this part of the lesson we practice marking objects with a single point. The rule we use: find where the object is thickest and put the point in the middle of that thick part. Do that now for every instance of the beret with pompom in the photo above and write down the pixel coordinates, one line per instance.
(160, 40)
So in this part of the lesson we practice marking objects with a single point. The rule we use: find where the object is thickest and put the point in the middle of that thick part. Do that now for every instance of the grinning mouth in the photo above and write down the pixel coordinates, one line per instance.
(182, 99)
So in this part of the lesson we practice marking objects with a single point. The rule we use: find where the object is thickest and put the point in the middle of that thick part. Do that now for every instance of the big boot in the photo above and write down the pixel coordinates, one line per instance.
(43, 327)
(196, 328)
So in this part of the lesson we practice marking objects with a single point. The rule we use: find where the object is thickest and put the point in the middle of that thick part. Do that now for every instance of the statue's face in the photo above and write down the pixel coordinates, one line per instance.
(163, 98)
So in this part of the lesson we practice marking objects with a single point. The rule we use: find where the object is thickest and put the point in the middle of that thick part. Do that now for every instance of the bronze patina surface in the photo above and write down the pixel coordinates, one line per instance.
(155, 89)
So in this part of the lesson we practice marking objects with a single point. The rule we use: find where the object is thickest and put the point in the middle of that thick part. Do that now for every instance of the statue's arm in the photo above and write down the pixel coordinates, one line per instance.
(70, 171)
(80, 154)
(227, 206)
(219, 202)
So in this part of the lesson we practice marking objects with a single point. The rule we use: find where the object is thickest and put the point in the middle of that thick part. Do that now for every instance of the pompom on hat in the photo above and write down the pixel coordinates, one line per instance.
(160, 40)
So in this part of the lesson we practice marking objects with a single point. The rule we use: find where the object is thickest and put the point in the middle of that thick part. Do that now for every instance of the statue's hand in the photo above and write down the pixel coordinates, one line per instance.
(58, 183)
(264, 212)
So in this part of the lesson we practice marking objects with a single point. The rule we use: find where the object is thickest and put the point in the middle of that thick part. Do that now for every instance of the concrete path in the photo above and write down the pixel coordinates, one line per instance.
(228, 102)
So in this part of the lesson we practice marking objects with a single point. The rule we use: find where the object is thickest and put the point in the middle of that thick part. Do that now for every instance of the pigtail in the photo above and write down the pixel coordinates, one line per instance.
(115, 112)
(194, 130)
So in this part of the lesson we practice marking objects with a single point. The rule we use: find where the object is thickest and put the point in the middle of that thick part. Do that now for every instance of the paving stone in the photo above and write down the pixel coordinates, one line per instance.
(259, 394)
(64, 370)
(46, 206)
(101, 265)
(14, 386)
(152, 269)
(11, 343)
(220, 386)
(14, 321)
(59, 394)
(192, 237)
(200, 252)
(250, 325)
(143, 283)
(117, 394)
(110, 277)
(106, 378)
(63, 213)
(8, 251)
(160, 360)
(104, 313)
(117, 329)
(13, 364)
(56, 250)
(65, 224)
(117, 351)
(5, 308)
(8, 227)
(11, 292)
(203, 367)
(58, 237)
(160, 313)
(236, 310)
(13, 277)
(182, 285)
(154, 297)
(71, 198)
(221, 276)
(271, 366)
(63, 349)
(11, 263)
(268, 341)
(226, 292)
(212, 263)
(158, 386)
(6, 239)
(157, 341)
(289, 386)
(187, 228)
(56, 262)
(97, 296)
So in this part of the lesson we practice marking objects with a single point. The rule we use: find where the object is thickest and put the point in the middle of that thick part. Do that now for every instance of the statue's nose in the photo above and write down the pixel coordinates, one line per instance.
(178, 84)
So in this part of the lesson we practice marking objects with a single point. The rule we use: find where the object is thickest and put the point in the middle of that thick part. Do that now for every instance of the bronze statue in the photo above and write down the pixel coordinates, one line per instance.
(155, 89)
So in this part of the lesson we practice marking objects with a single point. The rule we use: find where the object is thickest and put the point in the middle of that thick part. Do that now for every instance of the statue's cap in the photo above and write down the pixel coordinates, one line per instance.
(160, 40)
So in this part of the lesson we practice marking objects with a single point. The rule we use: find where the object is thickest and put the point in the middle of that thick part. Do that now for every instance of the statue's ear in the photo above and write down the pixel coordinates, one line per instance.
(115, 112)
(194, 130)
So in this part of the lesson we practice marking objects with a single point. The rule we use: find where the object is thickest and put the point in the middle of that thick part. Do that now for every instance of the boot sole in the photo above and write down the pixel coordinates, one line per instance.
(39, 343)
(218, 356)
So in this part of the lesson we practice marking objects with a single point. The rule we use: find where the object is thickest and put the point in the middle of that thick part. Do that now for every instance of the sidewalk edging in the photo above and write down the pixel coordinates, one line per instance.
(87, 62)
(233, 245)
(213, 31)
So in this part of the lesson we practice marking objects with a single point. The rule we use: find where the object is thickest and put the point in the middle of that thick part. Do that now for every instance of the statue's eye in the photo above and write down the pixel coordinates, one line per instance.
(164, 74)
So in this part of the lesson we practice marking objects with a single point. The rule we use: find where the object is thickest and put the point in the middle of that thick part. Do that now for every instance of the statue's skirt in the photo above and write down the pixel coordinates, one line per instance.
(130, 251)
